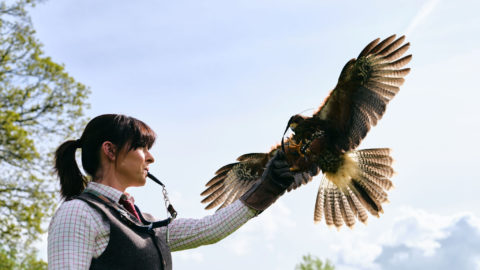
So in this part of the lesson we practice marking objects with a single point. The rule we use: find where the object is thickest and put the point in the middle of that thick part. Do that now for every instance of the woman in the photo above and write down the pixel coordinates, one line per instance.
(97, 227)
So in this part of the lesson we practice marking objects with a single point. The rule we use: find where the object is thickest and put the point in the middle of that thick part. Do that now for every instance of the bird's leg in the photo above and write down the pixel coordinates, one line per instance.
(292, 145)
(298, 147)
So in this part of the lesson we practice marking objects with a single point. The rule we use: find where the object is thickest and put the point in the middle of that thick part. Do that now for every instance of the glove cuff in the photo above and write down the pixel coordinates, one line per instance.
(262, 194)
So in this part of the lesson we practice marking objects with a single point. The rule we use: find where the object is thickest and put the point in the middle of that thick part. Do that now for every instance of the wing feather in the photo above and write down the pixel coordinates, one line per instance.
(226, 168)
(217, 178)
(214, 195)
(392, 46)
(384, 44)
(369, 47)
(396, 64)
(212, 188)
(392, 73)
(221, 194)
(232, 180)
(389, 80)
(397, 53)
(252, 156)
(233, 194)
(365, 87)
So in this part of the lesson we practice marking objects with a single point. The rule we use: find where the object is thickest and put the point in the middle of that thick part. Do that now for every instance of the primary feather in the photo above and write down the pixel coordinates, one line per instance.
(355, 181)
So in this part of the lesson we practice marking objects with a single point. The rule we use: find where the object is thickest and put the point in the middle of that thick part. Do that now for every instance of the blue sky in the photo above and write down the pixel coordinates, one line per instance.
(217, 79)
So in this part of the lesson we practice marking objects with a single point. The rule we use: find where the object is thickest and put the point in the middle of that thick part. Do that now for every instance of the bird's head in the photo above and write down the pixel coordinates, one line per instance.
(294, 122)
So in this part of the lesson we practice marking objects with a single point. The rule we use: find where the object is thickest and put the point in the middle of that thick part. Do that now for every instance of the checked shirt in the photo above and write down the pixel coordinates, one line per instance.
(78, 233)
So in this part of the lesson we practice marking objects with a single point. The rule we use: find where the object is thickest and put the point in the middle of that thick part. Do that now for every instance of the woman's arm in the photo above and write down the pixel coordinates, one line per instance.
(191, 233)
(71, 236)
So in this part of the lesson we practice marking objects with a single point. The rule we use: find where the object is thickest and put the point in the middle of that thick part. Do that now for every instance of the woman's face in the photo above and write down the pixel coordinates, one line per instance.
(132, 166)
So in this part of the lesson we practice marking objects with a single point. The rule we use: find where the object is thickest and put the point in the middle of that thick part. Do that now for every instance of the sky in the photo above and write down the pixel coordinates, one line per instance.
(217, 79)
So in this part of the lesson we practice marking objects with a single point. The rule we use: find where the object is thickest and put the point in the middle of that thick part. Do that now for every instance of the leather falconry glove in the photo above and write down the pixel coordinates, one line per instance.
(275, 180)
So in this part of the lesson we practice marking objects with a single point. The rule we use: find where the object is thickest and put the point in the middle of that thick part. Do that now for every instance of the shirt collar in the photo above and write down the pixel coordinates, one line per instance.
(107, 191)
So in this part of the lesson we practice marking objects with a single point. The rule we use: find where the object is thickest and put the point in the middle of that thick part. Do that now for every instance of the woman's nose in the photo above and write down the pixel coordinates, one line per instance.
(149, 157)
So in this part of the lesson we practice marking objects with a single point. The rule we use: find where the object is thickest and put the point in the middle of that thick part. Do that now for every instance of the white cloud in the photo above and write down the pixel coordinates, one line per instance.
(360, 253)
(419, 240)
(454, 247)
(418, 229)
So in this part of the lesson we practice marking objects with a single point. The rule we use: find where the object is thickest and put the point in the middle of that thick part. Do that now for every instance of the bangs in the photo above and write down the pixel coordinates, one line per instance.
(130, 133)
(143, 135)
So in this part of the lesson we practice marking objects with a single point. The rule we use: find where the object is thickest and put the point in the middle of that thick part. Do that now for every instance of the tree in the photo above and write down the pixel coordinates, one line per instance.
(313, 263)
(40, 105)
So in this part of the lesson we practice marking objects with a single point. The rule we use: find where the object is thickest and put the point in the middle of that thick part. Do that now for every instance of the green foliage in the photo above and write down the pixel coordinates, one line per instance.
(313, 263)
(40, 105)
(24, 260)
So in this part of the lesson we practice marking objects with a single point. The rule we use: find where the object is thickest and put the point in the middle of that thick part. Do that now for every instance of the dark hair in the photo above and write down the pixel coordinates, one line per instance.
(122, 131)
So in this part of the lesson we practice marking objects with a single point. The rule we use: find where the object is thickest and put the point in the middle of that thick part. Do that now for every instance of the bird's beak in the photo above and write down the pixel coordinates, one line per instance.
(283, 137)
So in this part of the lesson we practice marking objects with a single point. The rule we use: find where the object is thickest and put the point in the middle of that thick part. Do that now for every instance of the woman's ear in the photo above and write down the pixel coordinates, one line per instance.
(110, 150)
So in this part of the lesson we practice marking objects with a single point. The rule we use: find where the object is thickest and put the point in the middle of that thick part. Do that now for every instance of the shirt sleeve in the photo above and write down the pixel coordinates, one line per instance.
(191, 233)
(71, 237)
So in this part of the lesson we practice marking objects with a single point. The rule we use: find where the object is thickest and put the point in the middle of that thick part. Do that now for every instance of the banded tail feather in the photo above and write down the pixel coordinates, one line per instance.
(358, 186)
(355, 182)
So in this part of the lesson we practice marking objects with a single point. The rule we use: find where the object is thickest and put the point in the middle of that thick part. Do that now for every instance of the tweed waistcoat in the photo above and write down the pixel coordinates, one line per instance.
(132, 244)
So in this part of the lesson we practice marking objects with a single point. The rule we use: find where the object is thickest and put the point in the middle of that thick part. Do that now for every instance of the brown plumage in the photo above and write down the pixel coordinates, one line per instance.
(355, 181)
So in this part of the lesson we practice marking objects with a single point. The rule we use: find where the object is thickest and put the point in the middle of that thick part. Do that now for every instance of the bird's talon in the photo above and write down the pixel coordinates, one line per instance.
(294, 169)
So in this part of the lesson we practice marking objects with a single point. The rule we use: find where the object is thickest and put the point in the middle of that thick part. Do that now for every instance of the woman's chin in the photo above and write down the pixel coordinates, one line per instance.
(141, 181)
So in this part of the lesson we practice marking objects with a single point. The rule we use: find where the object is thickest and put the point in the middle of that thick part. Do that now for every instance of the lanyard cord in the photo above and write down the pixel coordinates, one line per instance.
(168, 205)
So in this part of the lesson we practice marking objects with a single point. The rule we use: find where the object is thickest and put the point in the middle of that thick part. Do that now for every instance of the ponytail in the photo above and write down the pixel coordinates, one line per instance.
(72, 182)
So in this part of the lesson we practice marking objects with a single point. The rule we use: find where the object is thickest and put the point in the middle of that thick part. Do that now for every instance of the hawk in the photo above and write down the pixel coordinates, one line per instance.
(354, 181)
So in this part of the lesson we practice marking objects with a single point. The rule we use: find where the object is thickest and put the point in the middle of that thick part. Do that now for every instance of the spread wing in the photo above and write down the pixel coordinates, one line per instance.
(365, 87)
(233, 180)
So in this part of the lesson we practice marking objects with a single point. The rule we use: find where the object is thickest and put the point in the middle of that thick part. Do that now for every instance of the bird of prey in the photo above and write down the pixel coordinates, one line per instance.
(354, 181)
